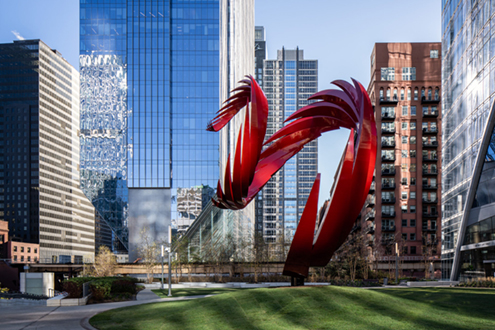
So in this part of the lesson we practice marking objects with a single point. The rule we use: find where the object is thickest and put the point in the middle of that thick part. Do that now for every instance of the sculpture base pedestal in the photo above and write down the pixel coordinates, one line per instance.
(296, 281)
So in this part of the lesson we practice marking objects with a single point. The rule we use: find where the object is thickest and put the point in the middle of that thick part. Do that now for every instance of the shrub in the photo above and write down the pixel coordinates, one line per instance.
(101, 288)
(74, 286)
(123, 286)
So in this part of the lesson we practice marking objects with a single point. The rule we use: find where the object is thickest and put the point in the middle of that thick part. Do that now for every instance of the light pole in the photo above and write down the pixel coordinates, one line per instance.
(162, 265)
(169, 253)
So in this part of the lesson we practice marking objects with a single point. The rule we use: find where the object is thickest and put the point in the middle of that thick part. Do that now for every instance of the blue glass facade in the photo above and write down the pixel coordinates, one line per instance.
(146, 127)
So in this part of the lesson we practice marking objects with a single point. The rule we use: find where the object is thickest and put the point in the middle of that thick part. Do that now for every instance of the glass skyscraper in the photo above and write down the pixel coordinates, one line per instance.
(149, 85)
(468, 86)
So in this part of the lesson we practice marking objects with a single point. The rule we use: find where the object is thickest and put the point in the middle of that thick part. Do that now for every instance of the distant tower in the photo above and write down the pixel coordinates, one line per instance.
(288, 81)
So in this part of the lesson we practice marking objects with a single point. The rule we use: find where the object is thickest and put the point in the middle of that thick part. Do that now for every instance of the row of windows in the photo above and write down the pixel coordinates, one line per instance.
(35, 250)
(426, 94)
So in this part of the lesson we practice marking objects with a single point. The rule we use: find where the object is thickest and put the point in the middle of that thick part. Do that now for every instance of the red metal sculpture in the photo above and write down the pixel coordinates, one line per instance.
(313, 243)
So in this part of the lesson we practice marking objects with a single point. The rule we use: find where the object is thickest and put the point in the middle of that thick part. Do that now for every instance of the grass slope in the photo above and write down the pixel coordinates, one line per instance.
(314, 308)
(193, 291)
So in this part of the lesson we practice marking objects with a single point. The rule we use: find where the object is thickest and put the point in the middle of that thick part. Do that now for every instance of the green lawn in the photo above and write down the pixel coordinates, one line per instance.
(193, 291)
(315, 308)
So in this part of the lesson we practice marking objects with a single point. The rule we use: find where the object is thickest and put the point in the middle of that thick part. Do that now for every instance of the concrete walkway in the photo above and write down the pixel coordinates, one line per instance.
(18, 317)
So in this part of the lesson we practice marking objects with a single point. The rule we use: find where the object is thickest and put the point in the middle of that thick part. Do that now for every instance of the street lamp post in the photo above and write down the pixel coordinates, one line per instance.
(162, 265)
(397, 263)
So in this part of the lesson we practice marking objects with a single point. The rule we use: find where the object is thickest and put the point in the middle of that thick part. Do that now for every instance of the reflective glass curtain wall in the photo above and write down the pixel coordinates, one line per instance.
(468, 83)
(153, 136)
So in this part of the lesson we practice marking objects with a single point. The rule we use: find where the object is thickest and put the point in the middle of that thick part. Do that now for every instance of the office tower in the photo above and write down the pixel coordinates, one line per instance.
(468, 201)
(150, 82)
(405, 91)
(39, 153)
(259, 58)
(287, 82)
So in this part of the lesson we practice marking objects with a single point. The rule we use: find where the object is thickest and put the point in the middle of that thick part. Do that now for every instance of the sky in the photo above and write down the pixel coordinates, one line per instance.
(339, 34)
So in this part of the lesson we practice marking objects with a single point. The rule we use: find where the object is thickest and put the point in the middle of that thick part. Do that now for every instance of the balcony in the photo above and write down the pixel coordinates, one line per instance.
(388, 200)
(430, 130)
(372, 187)
(426, 228)
(370, 202)
(429, 100)
(388, 158)
(388, 214)
(430, 214)
(388, 228)
(432, 144)
(430, 158)
(430, 187)
(388, 115)
(386, 144)
(388, 185)
(355, 228)
(388, 171)
(370, 229)
(430, 201)
(388, 130)
(430, 172)
(430, 114)
(370, 216)
(389, 100)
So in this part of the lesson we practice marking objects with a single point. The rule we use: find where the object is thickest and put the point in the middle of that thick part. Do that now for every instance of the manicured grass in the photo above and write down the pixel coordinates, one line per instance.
(192, 291)
(315, 308)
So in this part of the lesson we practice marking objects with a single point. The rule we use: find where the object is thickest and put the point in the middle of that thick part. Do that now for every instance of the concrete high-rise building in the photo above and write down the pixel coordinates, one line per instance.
(152, 75)
(405, 91)
(288, 81)
(468, 198)
(39, 153)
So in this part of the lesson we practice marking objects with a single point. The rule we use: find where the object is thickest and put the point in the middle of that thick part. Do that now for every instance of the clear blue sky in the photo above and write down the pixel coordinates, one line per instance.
(339, 34)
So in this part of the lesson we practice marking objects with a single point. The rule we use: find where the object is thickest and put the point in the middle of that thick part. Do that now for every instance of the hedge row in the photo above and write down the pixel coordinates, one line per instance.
(101, 287)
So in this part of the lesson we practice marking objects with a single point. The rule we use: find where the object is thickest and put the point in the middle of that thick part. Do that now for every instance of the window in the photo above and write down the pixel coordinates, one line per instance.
(29, 250)
(413, 124)
(404, 181)
(403, 208)
(404, 125)
(403, 167)
(404, 110)
(22, 258)
(412, 139)
(402, 94)
(404, 223)
(412, 208)
(381, 93)
(413, 168)
(404, 195)
(35, 250)
(412, 195)
(413, 181)
(412, 222)
(436, 93)
(416, 94)
(404, 153)
(15, 258)
(22, 248)
(412, 236)
(15, 248)
(425, 111)
(434, 53)
(395, 93)
(408, 73)
(409, 94)
(413, 250)
(413, 111)
(29, 258)
(412, 153)
(404, 139)
(404, 236)
(388, 74)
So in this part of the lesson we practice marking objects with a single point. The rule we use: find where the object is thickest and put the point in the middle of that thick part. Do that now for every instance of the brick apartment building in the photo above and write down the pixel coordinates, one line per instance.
(403, 209)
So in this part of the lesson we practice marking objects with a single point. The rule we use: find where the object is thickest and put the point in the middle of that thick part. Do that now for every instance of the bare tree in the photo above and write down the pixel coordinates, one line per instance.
(427, 248)
(105, 262)
(148, 251)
